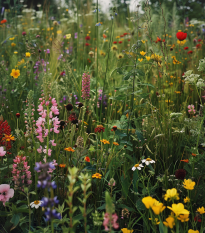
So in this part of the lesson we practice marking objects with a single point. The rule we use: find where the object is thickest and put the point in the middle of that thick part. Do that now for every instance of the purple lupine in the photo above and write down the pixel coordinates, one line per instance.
(85, 86)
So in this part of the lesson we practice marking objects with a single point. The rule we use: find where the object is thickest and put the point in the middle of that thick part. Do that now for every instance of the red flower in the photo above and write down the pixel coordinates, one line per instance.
(87, 159)
(197, 219)
(5, 129)
(120, 42)
(104, 36)
(128, 40)
(99, 129)
(185, 48)
(73, 118)
(17, 115)
(62, 73)
(125, 33)
(114, 128)
(3, 21)
(163, 40)
(199, 40)
(24, 33)
(185, 160)
(87, 44)
(87, 38)
(121, 35)
(180, 174)
(114, 42)
(158, 39)
(181, 35)
(190, 52)
(198, 46)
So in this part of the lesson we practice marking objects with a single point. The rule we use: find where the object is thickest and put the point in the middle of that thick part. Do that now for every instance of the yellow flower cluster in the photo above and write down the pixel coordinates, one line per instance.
(181, 43)
(175, 61)
(97, 176)
(104, 141)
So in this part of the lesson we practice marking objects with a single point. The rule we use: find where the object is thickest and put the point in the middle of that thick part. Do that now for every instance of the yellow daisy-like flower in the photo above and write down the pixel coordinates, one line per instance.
(187, 199)
(201, 210)
(97, 176)
(148, 58)
(117, 37)
(142, 53)
(170, 222)
(104, 141)
(102, 53)
(125, 230)
(189, 184)
(120, 56)
(13, 44)
(114, 48)
(171, 194)
(140, 60)
(8, 138)
(28, 54)
(183, 217)
(69, 149)
(115, 143)
(15, 73)
(68, 36)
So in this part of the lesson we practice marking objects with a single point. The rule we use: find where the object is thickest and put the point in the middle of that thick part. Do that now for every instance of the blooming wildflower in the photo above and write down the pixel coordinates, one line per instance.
(97, 176)
(184, 218)
(170, 222)
(201, 210)
(137, 166)
(189, 184)
(23, 33)
(114, 48)
(15, 52)
(110, 218)
(157, 207)
(181, 36)
(185, 160)
(8, 138)
(190, 52)
(143, 41)
(178, 209)
(5, 193)
(114, 42)
(62, 165)
(114, 128)
(125, 230)
(85, 86)
(171, 194)
(68, 36)
(142, 53)
(3, 21)
(102, 53)
(36, 204)
(111, 183)
(115, 143)
(59, 32)
(185, 48)
(69, 149)
(13, 44)
(148, 161)
(69, 107)
(140, 60)
(87, 37)
(99, 129)
(2, 152)
(87, 159)
(191, 109)
(120, 42)
(197, 219)
(104, 141)
(148, 201)
(12, 38)
(120, 56)
(91, 53)
(147, 58)
(155, 221)
(193, 231)
(28, 54)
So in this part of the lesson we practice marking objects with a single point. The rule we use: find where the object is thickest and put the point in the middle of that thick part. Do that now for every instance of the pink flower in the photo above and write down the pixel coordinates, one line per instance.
(85, 86)
(5, 193)
(2, 152)
(53, 143)
(39, 149)
(110, 220)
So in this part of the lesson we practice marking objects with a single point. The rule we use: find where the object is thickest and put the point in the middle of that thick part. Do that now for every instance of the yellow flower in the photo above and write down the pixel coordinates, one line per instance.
(169, 222)
(157, 207)
(97, 176)
(125, 230)
(12, 38)
(85, 122)
(140, 60)
(187, 199)
(171, 194)
(170, 84)
(13, 44)
(201, 210)
(28, 54)
(188, 184)
(178, 209)
(142, 53)
(104, 141)
(15, 52)
(102, 53)
(148, 201)
(120, 56)
(59, 32)
(15, 73)
(115, 143)
(143, 41)
(114, 48)
(68, 36)
(117, 37)
(155, 221)
(170, 36)
(8, 138)
(148, 58)
(184, 218)
(66, 9)
(69, 149)
(193, 231)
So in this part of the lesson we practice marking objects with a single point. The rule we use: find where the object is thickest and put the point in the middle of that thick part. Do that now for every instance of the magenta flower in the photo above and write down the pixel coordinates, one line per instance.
(191, 109)
(2, 152)
(5, 193)
(110, 220)
(85, 86)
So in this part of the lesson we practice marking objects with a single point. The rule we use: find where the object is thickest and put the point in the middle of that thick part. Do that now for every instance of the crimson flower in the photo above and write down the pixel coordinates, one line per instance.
(62, 73)
(181, 35)
(190, 52)
(87, 38)
(114, 128)
(120, 42)
(185, 48)
(23, 33)
(197, 219)
(199, 40)
(114, 42)
(198, 46)
(125, 33)
(163, 40)
(121, 35)
(17, 115)
(5, 129)
(87, 44)
(99, 129)
(180, 174)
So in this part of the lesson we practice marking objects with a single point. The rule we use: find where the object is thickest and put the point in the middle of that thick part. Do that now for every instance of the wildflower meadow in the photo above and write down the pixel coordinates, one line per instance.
(102, 117)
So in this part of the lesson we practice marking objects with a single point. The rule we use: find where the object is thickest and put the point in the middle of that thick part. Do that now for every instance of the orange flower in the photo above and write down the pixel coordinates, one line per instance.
(194, 155)
(62, 165)
(87, 159)
(104, 36)
(69, 149)
(3, 21)
(8, 138)
(185, 160)
(115, 143)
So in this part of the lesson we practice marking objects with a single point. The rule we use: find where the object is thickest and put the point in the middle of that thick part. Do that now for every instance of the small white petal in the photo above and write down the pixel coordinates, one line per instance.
(133, 168)
(139, 168)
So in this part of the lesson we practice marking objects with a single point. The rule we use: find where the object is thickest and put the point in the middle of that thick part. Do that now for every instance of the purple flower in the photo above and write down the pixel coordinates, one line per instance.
(76, 35)
(47, 50)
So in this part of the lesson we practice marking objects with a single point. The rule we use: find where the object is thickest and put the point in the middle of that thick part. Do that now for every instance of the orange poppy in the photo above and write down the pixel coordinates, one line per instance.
(87, 159)
(185, 160)
(62, 165)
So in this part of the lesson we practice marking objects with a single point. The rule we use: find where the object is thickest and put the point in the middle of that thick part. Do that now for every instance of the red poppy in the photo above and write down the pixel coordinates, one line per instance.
(185, 48)
(120, 42)
(114, 42)
(198, 46)
(185, 160)
(181, 35)
(17, 115)
(121, 35)
(190, 52)
(199, 40)
(87, 44)
(158, 39)
(3, 21)
(87, 38)
(87, 159)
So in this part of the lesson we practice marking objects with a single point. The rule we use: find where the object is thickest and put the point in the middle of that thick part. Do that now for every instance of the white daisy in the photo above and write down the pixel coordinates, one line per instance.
(138, 166)
(35, 204)
(148, 161)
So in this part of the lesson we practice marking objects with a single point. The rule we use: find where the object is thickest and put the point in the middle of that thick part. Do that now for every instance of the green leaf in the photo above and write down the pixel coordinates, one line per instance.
(15, 219)
(140, 205)
(125, 206)
(102, 207)
(34, 193)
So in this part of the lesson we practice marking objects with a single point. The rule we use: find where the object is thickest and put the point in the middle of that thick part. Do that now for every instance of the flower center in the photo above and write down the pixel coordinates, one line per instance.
(137, 165)
(36, 202)
(148, 159)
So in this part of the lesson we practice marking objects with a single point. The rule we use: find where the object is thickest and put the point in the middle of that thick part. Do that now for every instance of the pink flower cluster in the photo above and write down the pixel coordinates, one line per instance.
(110, 220)
(21, 173)
(5, 193)
(40, 123)
(191, 109)
(2, 152)
(85, 86)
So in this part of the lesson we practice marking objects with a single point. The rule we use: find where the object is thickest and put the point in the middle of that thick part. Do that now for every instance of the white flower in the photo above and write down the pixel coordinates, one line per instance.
(138, 166)
(148, 161)
(36, 204)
